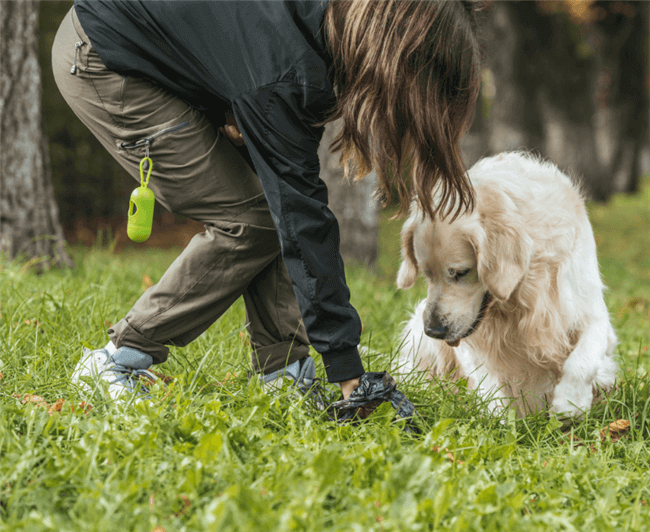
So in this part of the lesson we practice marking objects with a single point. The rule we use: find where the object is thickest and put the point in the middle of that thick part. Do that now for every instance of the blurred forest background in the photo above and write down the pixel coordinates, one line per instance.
(565, 79)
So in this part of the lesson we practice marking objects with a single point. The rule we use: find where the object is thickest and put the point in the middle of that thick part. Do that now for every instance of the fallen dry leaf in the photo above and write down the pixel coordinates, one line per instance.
(616, 429)
(85, 407)
(228, 378)
(58, 405)
(448, 453)
(165, 378)
(55, 407)
(452, 458)
(146, 282)
(244, 338)
(620, 426)
(186, 506)
(29, 398)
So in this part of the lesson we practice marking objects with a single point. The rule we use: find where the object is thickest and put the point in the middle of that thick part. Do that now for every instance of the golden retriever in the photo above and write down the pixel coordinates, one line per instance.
(515, 298)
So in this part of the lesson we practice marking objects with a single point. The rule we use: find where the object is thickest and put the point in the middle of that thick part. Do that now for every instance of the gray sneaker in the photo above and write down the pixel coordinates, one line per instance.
(121, 370)
(303, 374)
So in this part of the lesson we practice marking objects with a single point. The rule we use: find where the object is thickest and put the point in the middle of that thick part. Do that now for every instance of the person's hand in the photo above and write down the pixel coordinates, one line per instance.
(347, 387)
(231, 130)
(363, 395)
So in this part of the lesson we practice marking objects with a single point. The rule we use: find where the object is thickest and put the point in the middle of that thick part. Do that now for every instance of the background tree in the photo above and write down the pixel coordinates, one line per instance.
(352, 202)
(29, 224)
(569, 80)
(91, 188)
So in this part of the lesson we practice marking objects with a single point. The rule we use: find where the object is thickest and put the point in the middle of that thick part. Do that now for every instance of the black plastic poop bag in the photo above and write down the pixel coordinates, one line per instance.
(374, 388)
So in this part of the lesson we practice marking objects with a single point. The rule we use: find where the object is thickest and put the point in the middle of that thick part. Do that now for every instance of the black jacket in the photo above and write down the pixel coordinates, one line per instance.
(265, 60)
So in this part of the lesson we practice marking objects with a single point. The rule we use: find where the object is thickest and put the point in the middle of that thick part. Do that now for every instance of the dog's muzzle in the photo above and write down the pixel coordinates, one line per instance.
(441, 331)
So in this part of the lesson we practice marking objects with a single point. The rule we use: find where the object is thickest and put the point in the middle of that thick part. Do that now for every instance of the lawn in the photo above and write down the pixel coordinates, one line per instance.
(215, 452)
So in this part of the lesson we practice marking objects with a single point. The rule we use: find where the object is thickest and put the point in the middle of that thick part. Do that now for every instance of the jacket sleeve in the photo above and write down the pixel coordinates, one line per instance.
(276, 123)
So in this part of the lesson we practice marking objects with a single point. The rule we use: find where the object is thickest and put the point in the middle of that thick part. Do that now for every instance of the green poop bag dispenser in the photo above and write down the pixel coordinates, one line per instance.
(141, 207)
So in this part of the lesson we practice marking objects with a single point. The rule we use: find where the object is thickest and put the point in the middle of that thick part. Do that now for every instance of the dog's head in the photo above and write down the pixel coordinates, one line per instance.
(468, 262)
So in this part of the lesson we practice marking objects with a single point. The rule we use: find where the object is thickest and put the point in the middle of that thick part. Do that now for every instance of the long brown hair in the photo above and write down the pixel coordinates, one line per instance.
(407, 75)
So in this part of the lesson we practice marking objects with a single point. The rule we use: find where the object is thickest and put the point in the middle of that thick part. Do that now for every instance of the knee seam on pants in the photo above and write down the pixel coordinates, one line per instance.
(178, 298)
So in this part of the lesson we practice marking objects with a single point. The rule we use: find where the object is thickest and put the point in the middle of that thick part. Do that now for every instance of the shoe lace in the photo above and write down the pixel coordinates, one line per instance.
(132, 377)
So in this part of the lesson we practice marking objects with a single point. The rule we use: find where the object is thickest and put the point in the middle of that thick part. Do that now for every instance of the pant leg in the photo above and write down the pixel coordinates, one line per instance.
(270, 314)
(197, 173)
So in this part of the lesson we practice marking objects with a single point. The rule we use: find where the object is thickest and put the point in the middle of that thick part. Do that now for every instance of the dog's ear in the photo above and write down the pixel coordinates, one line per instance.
(408, 270)
(505, 250)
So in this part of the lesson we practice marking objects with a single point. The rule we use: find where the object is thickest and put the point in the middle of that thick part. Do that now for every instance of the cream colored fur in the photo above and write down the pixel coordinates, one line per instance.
(545, 337)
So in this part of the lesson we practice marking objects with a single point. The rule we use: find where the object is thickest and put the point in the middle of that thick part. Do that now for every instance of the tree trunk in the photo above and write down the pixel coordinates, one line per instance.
(594, 99)
(352, 203)
(574, 91)
(622, 98)
(29, 218)
(514, 122)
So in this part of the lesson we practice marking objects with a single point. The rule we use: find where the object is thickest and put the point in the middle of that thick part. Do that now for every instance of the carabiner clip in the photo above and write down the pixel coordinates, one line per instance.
(149, 162)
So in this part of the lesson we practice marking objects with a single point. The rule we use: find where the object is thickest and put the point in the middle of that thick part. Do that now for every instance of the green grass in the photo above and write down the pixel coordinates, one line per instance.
(215, 455)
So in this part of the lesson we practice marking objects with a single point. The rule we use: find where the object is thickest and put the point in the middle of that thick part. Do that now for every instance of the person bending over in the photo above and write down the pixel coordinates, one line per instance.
(229, 100)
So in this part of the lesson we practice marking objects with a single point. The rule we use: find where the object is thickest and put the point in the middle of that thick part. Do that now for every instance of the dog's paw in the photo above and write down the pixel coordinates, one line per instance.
(571, 400)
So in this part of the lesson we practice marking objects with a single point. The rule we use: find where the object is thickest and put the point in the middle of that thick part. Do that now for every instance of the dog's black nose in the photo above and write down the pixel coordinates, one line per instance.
(438, 332)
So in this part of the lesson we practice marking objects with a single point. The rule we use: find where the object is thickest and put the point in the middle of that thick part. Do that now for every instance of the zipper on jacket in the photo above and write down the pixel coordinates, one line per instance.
(146, 142)
(77, 45)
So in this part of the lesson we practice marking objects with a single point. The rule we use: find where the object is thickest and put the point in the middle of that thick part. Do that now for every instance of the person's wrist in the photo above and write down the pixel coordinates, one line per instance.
(347, 387)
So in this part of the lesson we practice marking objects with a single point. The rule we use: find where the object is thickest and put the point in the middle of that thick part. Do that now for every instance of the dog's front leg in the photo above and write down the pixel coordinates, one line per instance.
(574, 393)
(488, 387)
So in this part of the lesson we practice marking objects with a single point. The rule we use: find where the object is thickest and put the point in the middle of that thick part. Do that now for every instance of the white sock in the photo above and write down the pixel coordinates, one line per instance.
(110, 347)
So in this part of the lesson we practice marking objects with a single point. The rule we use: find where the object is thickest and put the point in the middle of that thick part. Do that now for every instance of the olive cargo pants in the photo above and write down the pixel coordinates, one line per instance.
(197, 173)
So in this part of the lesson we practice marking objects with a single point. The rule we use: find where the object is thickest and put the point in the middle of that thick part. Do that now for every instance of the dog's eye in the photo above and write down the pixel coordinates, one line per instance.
(458, 274)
